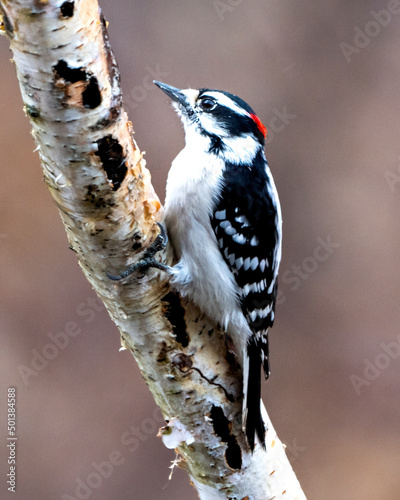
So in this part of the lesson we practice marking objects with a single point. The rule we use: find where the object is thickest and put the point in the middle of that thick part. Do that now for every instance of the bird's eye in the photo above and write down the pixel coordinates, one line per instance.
(207, 104)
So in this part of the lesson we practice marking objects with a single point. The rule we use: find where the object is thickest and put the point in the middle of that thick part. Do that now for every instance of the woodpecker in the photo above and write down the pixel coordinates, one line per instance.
(223, 218)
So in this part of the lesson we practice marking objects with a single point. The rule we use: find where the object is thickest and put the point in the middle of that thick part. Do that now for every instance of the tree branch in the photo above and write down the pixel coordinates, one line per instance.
(96, 174)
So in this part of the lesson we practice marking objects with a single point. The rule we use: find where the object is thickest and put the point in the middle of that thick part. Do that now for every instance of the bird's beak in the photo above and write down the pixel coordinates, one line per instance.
(175, 94)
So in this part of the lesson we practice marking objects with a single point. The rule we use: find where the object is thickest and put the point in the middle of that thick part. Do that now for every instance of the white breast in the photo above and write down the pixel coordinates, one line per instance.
(193, 186)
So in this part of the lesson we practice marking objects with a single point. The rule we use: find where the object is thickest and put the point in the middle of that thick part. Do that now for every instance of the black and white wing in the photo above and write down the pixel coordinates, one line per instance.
(248, 232)
(248, 235)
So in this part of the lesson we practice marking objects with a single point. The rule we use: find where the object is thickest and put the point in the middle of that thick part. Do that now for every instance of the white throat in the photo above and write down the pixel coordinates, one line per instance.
(239, 150)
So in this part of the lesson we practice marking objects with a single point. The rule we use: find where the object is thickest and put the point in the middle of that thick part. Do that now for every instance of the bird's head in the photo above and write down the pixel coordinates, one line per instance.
(229, 125)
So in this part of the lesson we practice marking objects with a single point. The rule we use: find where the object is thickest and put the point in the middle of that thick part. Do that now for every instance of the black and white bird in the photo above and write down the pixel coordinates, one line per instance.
(223, 218)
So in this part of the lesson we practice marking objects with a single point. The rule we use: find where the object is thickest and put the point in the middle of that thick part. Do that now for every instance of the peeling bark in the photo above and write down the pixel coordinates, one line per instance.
(96, 175)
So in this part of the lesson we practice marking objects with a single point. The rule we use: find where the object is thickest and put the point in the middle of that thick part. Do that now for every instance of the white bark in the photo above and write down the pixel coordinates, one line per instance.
(97, 176)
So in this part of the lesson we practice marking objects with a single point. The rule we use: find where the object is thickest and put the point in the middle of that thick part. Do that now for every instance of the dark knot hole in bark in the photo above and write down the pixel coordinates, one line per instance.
(67, 9)
(175, 314)
(91, 96)
(222, 429)
(112, 157)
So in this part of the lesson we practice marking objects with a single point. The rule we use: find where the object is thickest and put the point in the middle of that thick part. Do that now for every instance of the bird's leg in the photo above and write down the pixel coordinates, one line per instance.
(148, 260)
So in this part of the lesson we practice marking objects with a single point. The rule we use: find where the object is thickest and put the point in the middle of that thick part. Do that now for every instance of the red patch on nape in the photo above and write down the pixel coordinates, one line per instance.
(261, 127)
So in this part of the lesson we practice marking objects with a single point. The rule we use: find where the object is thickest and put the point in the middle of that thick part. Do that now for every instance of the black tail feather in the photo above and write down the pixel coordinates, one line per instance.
(254, 421)
(265, 351)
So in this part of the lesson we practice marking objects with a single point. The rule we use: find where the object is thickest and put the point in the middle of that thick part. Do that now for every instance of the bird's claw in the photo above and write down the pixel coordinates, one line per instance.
(147, 260)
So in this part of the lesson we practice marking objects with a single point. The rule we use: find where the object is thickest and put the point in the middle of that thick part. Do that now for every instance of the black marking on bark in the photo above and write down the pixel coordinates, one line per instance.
(233, 454)
(137, 241)
(111, 62)
(229, 397)
(183, 362)
(162, 355)
(220, 423)
(112, 65)
(91, 189)
(222, 429)
(71, 75)
(111, 155)
(91, 96)
(175, 314)
(67, 9)
(93, 196)
(32, 111)
(7, 24)
(231, 355)
(108, 120)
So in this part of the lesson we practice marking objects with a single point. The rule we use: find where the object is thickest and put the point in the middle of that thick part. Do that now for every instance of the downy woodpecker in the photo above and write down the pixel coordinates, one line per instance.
(223, 218)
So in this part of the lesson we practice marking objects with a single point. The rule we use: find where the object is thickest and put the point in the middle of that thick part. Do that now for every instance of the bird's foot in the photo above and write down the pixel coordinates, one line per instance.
(148, 260)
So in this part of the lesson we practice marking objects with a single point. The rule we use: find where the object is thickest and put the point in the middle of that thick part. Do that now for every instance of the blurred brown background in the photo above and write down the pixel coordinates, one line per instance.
(335, 156)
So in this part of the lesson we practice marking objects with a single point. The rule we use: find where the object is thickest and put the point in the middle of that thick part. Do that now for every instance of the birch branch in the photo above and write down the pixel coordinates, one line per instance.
(97, 177)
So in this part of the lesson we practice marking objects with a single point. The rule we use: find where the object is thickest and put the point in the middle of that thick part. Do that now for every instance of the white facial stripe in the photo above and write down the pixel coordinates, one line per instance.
(210, 125)
(224, 100)
(191, 94)
(242, 149)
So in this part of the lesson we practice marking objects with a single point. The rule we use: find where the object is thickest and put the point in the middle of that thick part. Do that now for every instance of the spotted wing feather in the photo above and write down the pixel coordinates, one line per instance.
(246, 232)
